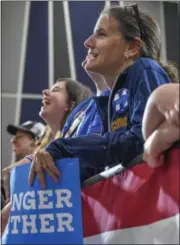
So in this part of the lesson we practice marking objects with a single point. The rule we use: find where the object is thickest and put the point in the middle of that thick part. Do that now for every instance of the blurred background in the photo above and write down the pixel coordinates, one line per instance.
(43, 41)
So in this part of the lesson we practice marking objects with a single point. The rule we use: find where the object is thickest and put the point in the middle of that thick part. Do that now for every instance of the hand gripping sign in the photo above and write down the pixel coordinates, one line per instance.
(49, 216)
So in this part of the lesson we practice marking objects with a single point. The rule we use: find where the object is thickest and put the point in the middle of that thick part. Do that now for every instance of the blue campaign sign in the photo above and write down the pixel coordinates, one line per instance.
(45, 216)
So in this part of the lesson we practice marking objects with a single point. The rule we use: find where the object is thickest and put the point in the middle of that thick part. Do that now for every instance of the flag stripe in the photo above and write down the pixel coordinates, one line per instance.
(136, 197)
(161, 232)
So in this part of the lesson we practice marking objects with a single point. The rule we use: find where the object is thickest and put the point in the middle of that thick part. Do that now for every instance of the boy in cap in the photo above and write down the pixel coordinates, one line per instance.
(25, 137)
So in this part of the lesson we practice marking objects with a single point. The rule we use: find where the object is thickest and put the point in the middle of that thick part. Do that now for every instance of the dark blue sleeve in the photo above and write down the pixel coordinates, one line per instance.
(100, 151)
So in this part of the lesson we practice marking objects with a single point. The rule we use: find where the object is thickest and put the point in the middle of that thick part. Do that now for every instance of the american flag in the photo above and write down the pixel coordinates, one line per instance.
(138, 206)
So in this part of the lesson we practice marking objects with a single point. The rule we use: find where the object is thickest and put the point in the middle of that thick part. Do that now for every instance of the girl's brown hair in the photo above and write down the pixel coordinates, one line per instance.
(77, 92)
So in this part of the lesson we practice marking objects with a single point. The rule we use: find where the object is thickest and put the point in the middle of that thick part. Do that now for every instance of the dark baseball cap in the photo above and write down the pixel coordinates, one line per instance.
(36, 129)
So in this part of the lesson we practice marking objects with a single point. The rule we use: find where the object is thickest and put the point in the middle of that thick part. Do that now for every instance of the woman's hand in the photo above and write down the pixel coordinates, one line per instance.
(159, 141)
(166, 98)
(163, 104)
(172, 115)
(43, 162)
(6, 176)
(152, 151)
(5, 216)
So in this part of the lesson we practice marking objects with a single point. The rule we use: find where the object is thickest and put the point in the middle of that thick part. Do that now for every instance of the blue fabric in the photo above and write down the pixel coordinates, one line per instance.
(123, 140)
(92, 122)
(60, 204)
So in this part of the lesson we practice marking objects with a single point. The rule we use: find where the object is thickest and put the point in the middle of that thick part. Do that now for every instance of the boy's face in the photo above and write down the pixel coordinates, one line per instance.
(22, 144)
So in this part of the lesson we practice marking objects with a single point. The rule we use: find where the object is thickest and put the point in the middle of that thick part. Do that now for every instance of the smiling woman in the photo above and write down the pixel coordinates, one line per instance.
(58, 102)
(62, 98)
(125, 50)
(105, 54)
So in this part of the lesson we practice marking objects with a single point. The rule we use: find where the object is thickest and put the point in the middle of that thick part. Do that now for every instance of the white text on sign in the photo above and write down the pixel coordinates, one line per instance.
(45, 222)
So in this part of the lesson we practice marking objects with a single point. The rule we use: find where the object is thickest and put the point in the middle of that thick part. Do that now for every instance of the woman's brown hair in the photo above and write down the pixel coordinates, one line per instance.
(134, 22)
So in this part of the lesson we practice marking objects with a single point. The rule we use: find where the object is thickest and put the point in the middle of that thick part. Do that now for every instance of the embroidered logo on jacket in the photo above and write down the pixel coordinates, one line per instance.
(120, 105)
(119, 123)
(120, 102)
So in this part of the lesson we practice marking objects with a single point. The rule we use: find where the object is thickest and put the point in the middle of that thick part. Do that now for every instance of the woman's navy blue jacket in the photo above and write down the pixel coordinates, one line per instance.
(121, 114)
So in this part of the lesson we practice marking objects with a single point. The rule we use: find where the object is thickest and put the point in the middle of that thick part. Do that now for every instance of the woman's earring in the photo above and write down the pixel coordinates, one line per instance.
(67, 109)
(126, 57)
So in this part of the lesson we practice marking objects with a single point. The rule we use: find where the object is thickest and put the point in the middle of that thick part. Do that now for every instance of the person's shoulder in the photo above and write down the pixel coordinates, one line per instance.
(142, 66)
(147, 63)
(105, 92)
(82, 105)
